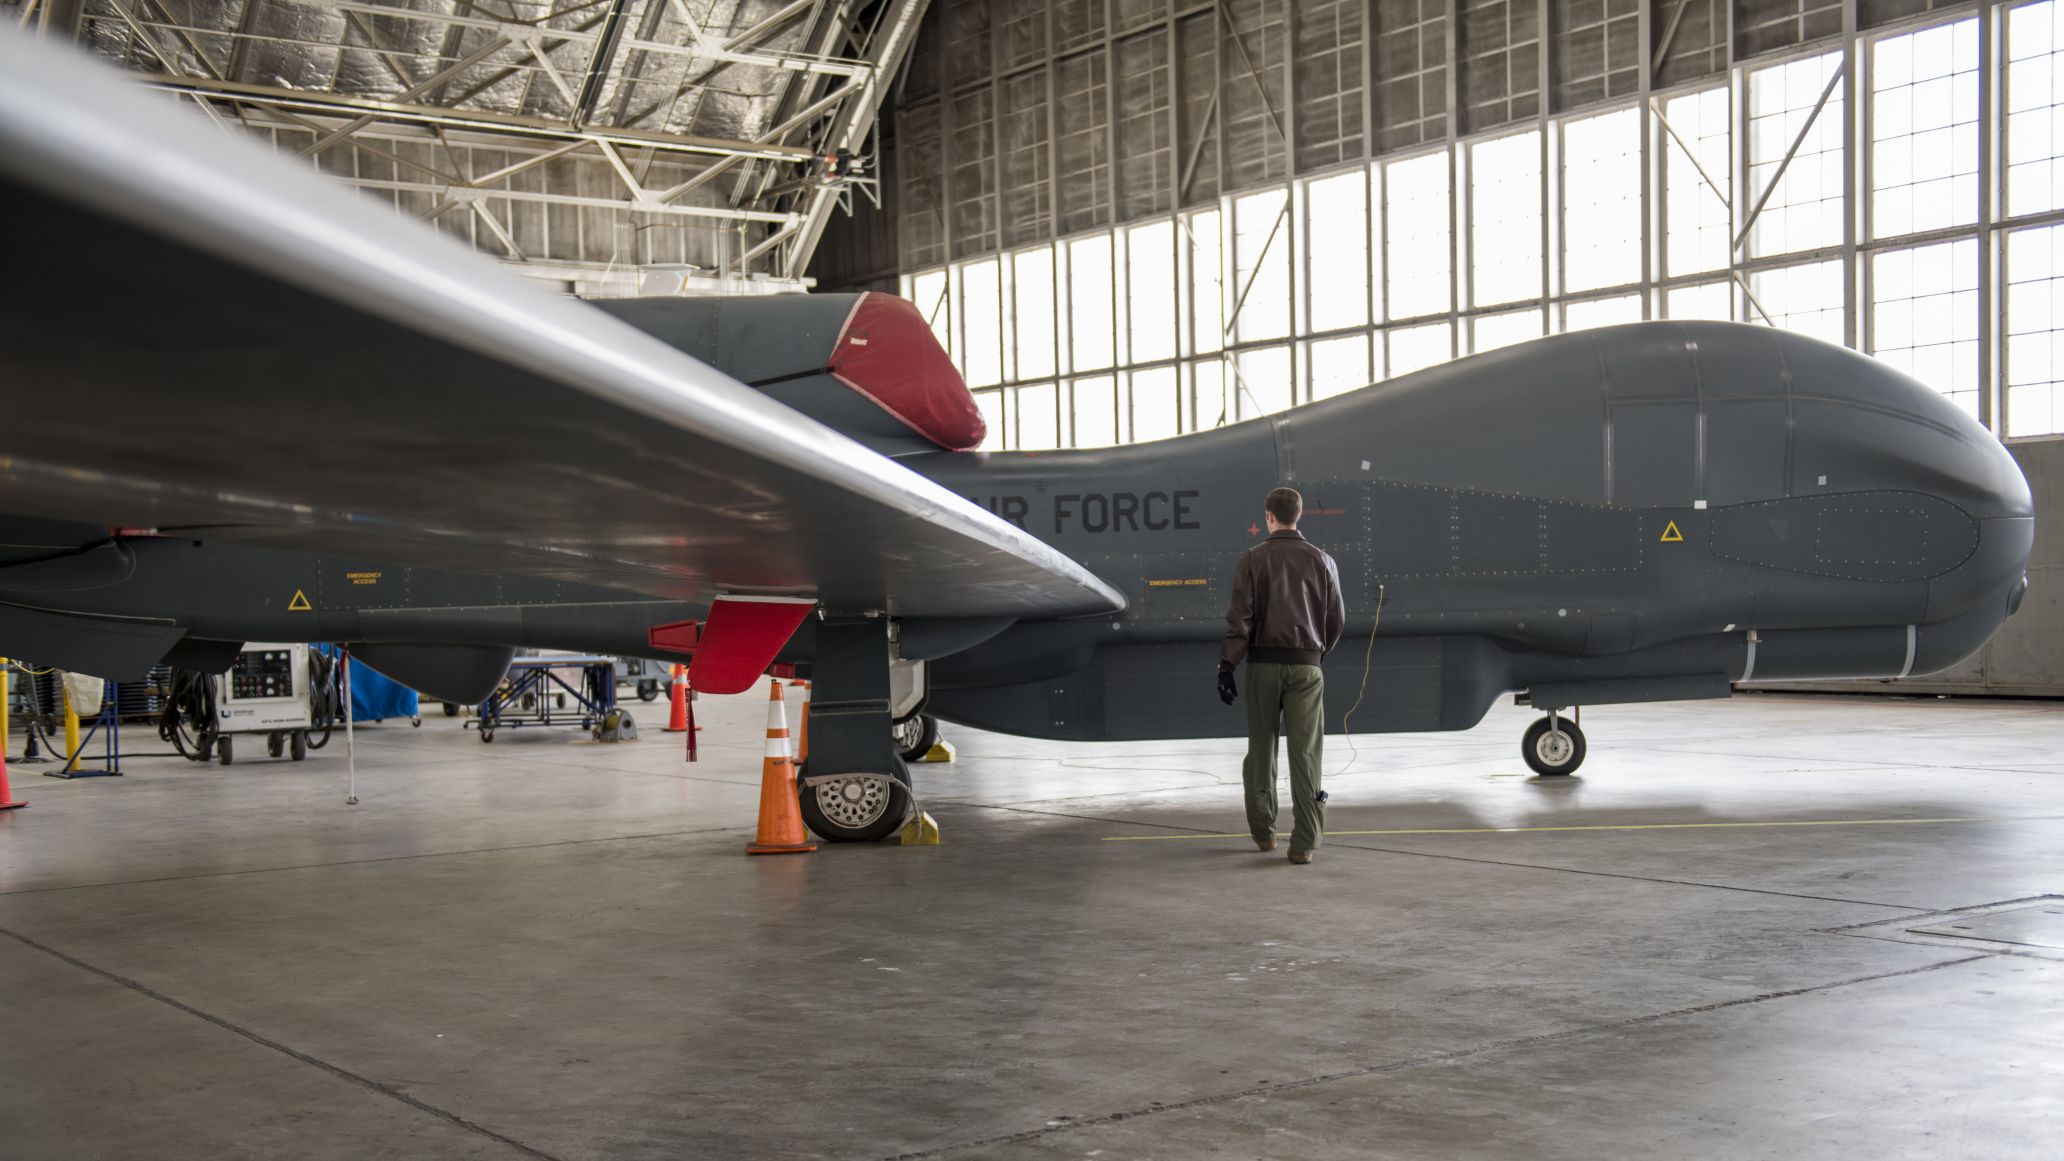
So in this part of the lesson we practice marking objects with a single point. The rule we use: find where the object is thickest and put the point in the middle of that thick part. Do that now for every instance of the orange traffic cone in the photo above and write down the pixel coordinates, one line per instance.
(677, 720)
(781, 819)
(7, 799)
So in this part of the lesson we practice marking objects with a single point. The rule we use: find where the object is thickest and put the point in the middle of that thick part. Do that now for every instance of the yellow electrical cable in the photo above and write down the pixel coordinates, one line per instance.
(1368, 655)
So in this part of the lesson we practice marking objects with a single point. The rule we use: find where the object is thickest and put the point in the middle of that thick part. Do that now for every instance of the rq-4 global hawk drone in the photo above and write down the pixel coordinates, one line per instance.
(245, 405)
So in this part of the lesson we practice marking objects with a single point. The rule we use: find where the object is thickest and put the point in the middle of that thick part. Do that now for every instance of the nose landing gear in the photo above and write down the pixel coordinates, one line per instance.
(1553, 746)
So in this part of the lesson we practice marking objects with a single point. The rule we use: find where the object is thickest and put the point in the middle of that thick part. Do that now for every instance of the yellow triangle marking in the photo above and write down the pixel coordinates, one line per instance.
(1671, 535)
(300, 603)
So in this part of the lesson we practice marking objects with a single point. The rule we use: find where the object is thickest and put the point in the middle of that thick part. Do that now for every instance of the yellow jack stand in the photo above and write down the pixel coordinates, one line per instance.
(941, 751)
(921, 831)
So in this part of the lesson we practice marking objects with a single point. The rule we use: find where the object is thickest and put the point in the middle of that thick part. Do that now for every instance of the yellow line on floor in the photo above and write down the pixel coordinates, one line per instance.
(1148, 838)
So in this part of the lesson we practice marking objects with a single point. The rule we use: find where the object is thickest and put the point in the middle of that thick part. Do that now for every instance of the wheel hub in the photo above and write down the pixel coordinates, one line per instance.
(1554, 747)
(907, 731)
(854, 801)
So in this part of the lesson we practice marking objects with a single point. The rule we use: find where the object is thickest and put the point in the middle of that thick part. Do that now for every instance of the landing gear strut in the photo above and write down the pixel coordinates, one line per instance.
(855, 785)
(1553, 746)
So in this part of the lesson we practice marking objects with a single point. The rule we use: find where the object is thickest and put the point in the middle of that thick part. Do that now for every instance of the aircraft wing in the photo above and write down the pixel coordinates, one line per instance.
(196, 333)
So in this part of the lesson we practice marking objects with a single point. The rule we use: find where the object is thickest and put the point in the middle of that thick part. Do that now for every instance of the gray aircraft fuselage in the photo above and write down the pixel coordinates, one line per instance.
(1648, 512)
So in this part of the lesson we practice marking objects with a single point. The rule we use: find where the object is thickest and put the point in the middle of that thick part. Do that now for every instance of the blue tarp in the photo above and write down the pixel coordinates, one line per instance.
(376, 697)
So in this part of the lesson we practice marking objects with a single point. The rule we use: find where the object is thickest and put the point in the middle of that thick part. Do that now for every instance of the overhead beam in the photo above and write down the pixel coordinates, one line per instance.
(477, 120)
(598, 63)
(856, 119)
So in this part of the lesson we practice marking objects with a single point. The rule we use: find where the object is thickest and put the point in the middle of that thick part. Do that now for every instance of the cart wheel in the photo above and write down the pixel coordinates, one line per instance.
(487, 733)
(415, 723)
(562, 700)
(275, 745)
(297, 745)
(222, 750)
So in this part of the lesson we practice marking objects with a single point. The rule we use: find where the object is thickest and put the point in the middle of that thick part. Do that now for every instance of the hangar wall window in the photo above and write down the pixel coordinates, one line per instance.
(1038, 417)
(1260, 295)
(928, 291)
(991, 404)
(1795, 116)
(1843, 188)
(1205, 255)
(1806, 299)
(1208, 402)
(1602, 312)
(1336, 231)
(1491, 331)
(1032, 301)
(1150, 292)
(1924, 316)
(1417, 249)
(2035, 108)
(1924, 130)
(1416, 348)
(1337, 366)
(1698, 174)
(1601, 201)
(1156, 404)
(1264, 382)
(982, 317)
(1706, 300)
(2035, 331)
(1096, 411)
(1505, 209)
(1089, 314)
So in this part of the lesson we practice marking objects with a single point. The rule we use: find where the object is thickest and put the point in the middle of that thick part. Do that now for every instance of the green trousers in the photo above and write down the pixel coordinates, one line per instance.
(1286, 700)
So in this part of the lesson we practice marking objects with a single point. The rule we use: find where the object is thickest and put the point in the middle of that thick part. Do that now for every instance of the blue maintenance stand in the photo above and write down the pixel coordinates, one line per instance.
(108, 725)
(535, 678)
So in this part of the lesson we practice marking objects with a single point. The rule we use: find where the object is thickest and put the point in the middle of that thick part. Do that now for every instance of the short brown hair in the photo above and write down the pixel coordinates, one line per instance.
(1285, 505)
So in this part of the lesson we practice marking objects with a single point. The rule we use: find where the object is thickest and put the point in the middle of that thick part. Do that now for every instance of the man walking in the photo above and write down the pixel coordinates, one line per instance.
(1285, 616)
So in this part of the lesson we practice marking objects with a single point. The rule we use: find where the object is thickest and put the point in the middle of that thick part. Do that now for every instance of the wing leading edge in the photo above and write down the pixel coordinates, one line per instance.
(210, 336)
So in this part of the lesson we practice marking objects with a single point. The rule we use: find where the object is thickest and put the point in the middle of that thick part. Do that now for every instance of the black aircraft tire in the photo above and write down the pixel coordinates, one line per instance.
(857, 813)
(1549, 757)
(916, 735)
(648, 690)
(450, 710)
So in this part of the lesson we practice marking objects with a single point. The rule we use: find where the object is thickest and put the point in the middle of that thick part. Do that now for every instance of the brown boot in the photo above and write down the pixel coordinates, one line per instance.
(1267, 844)
(1300, 857)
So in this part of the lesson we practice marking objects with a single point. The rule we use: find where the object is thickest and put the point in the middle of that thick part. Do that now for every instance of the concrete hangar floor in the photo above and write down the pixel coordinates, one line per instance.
(1700, 948)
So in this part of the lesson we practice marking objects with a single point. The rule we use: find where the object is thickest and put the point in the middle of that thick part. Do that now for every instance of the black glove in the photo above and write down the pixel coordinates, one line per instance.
(1227, 691)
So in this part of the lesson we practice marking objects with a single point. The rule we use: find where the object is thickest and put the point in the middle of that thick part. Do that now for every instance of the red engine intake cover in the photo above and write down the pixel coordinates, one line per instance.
(888, 353)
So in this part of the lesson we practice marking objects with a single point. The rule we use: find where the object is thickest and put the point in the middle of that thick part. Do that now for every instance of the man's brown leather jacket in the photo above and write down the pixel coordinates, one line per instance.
(1286, 603)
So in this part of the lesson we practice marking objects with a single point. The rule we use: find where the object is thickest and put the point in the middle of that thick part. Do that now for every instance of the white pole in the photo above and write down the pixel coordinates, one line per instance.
(350, 740)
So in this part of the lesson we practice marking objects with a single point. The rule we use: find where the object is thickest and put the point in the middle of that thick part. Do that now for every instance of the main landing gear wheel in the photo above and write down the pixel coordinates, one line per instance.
(648, 690)
(1553, 746)
(915, 736)
(855, 808)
